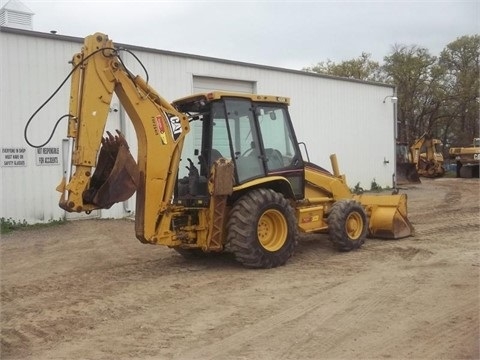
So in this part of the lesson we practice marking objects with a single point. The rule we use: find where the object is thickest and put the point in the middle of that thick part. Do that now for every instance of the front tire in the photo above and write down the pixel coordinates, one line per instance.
(347, 223)
(262, 229)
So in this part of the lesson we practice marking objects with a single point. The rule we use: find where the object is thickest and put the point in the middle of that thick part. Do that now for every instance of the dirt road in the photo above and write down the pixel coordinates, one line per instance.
(90, 290)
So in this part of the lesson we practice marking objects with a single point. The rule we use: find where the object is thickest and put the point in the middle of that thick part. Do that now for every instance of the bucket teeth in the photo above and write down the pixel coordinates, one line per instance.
(116, 176)
(112, 143)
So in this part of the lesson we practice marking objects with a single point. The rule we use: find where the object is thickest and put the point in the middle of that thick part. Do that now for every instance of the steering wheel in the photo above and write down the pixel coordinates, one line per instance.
(248, 151)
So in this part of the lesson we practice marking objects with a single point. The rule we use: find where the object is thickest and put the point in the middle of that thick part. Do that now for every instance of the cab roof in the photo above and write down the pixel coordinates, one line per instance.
(196, 101)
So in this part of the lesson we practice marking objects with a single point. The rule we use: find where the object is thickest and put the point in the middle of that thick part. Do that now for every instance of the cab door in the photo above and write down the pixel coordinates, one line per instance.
(281, 153)
(244, 140)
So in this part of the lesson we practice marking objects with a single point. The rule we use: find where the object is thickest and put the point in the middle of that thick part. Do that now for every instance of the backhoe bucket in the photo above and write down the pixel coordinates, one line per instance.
(387, 216)
(407, 174)
(116, 176)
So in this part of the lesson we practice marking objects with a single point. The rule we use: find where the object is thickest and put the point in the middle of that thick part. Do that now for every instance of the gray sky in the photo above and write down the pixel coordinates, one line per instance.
(291, 34)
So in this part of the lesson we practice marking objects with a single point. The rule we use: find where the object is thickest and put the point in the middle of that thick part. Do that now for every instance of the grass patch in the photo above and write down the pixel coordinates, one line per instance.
(9, 225)
(374, 187)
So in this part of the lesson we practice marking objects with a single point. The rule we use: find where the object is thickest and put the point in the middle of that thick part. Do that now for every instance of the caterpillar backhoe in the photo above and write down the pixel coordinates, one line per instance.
(427, 156)
(423, 158)
(246, 188)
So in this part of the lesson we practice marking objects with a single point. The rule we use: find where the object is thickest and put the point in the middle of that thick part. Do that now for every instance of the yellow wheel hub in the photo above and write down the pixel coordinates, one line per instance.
(272, 230)
(354, 225)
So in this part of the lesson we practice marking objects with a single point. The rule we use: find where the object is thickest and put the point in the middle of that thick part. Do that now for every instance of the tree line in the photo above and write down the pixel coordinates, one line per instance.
(437, 95)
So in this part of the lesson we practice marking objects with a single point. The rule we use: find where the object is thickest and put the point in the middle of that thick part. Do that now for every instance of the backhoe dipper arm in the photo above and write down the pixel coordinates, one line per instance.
(417, 146)
(160, 130)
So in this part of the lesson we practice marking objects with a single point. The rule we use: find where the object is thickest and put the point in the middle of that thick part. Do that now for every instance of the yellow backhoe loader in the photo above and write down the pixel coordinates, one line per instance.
(247, 190)
(427, 156)
(423, 158)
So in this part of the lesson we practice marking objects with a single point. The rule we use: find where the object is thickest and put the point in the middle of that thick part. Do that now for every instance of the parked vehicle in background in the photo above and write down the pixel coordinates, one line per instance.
(423, 158)
(467, 159)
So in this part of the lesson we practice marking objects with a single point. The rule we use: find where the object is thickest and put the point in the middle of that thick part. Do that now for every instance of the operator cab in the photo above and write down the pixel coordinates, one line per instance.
(252, 131)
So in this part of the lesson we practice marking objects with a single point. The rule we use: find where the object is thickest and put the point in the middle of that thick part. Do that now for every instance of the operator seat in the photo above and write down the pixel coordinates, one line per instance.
(214, 156)
(202, 158)
(275, 159)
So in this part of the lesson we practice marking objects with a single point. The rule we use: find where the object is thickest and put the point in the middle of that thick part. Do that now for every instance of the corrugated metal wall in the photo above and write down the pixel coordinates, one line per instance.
(330, 115)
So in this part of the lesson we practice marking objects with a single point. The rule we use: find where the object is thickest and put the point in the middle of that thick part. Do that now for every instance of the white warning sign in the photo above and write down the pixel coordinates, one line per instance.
(13, 156)
(48, 156)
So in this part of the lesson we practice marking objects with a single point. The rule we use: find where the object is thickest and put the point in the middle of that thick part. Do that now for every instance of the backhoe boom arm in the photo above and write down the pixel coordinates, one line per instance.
(160, 129)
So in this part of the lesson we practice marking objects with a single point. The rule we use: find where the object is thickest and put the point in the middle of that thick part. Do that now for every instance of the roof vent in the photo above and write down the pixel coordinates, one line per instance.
(16, 15)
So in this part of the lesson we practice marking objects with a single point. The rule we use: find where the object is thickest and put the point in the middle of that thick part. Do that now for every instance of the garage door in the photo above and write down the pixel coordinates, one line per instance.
(205, 84)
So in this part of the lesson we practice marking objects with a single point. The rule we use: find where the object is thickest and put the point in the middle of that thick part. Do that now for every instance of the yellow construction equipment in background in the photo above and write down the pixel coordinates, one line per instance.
(467, 159)
(423, 158)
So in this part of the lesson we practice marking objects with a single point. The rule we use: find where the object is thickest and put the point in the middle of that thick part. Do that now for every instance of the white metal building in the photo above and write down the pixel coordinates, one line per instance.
(331, 115)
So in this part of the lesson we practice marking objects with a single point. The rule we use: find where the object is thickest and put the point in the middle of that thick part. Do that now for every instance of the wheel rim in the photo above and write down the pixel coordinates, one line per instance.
(272, 230)
(354, 225)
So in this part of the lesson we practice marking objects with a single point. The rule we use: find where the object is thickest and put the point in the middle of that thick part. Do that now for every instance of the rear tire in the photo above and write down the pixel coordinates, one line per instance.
(262, 229)
(347, 224)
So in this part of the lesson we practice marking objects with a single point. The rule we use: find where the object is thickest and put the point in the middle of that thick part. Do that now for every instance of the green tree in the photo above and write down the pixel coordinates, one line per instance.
(419, 87)
(361, 68)
(436, 95)
(460, 62)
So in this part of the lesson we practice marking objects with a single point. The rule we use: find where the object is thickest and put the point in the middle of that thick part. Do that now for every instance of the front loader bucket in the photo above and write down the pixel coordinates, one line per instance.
(116, 176)
(407, 174)
(387, 216)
